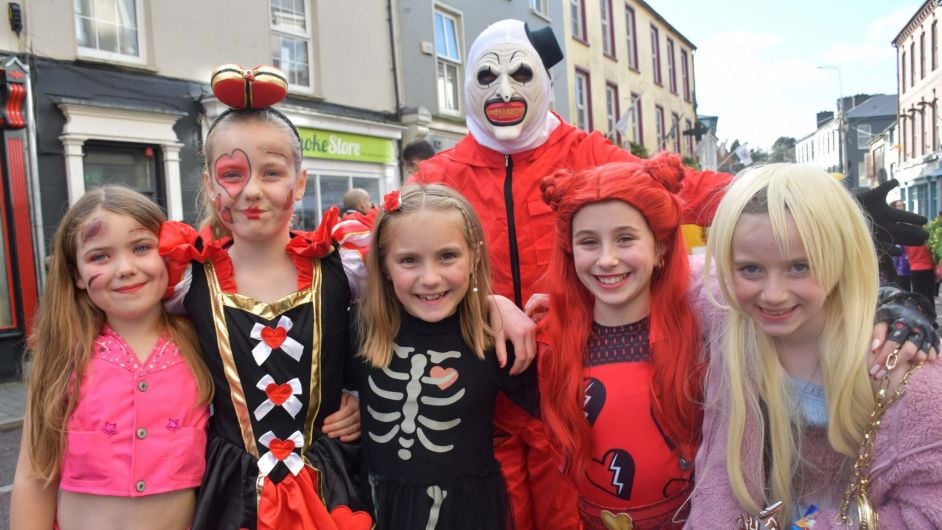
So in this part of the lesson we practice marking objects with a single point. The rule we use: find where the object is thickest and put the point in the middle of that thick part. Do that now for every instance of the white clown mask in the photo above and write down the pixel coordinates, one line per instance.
(508, 90)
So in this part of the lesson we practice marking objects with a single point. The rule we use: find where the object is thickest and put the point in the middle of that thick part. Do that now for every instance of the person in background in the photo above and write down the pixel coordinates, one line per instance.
(901, 260)
(415, 152)
(357, 200)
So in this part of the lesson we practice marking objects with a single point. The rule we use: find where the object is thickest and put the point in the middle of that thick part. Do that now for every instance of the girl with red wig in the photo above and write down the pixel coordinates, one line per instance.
(621, 385)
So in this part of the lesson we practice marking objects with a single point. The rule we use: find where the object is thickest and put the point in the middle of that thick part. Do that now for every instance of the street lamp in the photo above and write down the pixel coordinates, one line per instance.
(840, 118)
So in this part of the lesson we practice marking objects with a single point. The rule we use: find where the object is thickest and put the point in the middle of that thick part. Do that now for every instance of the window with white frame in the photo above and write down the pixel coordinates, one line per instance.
(577, 19)
(659, 128)
(656, 55)
(326, 189)
(637, 135)
(448, 61)
(632, 37)
(689, 138)
(291, 41)
(863, 135)
(675, 131)
(109, 29)
(608, 29)
(671, 69)
(583, 102)
(539, 7)
(611, 112)
(685, 74)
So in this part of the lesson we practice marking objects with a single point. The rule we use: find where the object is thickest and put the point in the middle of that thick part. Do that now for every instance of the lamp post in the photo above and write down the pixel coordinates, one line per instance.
(842, 149)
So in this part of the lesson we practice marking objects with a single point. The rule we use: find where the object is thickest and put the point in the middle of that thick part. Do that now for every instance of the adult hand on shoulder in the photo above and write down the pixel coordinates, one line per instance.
(510, 323)
(345, 422)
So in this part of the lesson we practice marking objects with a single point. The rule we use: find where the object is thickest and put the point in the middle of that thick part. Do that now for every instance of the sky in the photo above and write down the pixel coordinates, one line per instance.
(756, 60)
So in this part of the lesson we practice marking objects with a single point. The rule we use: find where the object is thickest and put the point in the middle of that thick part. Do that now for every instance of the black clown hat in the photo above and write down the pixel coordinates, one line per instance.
(544, 41)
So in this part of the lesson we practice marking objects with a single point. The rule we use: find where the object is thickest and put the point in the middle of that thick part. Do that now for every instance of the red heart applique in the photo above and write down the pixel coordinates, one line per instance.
(274, 337)
(450, 375)
(232, 171)
(278, 394)
(347, 519)
(281, 448)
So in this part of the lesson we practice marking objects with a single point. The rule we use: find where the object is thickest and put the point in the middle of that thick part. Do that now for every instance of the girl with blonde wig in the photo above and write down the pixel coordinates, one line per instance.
(788, 395)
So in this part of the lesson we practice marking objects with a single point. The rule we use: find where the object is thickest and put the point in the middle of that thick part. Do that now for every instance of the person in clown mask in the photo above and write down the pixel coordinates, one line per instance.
(514, 141)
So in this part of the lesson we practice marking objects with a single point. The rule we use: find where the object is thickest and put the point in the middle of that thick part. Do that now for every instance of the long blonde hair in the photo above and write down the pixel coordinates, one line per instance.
(381, 314)
(67, 324)
(842, 260)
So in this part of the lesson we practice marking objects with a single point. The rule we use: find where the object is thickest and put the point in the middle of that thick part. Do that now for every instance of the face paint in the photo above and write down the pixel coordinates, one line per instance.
(92, 280)
(232, 172)
(92, 228)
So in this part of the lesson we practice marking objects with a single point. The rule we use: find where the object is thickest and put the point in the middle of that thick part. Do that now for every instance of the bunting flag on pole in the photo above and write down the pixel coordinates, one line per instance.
(742, 153)
(622, 125)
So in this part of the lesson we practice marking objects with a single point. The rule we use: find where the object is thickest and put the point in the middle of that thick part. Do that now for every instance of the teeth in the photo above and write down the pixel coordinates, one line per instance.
(430, 297)
(776, 313)
(611, 280)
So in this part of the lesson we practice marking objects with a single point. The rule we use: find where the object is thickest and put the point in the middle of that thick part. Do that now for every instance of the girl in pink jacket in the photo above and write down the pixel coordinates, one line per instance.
(790, 430)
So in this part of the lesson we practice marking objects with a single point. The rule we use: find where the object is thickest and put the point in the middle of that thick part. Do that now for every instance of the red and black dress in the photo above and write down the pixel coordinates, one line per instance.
(278, 370)
(636, 470)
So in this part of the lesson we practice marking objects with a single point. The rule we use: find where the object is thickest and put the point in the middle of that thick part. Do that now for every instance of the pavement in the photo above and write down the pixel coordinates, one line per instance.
(12, 405)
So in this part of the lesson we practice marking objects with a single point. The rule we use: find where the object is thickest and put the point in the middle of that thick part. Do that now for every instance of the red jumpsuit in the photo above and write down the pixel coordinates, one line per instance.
(519, 228)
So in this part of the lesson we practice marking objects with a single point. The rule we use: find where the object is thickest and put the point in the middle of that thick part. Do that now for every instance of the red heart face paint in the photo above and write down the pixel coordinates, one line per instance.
(232, 171)
(91, 281)
(92, 229)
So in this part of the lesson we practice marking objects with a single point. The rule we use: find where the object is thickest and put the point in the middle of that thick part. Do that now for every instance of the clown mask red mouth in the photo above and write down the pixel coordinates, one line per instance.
(503, 113)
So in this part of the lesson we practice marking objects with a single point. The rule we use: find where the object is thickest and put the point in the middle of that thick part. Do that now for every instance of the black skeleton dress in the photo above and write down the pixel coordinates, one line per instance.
(427, 432)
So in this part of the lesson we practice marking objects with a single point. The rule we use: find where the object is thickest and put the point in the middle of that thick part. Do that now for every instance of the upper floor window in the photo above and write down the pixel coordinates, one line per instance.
(902, 72)
(448, 59)
(933, 43)
(685, 74)
(608, 29)
(583, 101)
(671, 69)
(611, 112)
(634, 115)
(632, 38)
(291, 41)
(922, 55)
(912, 64)
(109, 29)
(659, 128)
(539, 7)
(656, 55)
(577, 19)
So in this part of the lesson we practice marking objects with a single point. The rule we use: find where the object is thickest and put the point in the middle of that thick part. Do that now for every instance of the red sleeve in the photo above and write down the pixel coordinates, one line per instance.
(177, 245)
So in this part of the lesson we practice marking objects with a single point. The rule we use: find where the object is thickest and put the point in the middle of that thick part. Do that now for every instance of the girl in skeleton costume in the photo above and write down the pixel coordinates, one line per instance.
(270, 306)
(430, 377)
(620, 381)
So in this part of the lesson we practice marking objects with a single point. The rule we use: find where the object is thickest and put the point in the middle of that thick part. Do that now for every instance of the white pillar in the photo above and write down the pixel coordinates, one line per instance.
(74, 166)
(171, 168)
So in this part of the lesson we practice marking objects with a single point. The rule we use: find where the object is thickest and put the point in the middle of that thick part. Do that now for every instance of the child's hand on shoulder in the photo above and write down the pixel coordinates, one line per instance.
(510, 323)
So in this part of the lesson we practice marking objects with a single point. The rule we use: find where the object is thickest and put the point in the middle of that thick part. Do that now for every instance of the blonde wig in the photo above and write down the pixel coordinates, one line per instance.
(842, 260)
(381, 312)
(68, 322)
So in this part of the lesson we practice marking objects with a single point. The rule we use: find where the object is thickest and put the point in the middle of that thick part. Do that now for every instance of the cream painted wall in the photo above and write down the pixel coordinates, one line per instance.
(604, 69)
(186, 39)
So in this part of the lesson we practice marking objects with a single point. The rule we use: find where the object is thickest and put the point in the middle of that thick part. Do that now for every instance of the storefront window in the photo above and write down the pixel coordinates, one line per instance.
(132, 166)
(324, 191)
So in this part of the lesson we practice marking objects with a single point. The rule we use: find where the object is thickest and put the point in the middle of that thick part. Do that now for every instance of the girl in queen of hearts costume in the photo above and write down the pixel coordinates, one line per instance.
(515, 141)
(270, 307)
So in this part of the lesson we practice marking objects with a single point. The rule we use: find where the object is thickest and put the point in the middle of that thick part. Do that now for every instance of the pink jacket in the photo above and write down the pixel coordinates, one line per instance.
(136, 429)
(905, 476)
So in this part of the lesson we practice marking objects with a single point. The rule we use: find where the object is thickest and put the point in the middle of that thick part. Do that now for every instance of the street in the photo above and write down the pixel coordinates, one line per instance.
(9, 447)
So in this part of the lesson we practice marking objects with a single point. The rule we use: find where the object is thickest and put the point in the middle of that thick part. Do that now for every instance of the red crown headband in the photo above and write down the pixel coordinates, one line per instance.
(250, 89)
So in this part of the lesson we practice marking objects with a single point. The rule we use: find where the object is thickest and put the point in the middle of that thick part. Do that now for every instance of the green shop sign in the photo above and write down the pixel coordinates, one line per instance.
(317, 143)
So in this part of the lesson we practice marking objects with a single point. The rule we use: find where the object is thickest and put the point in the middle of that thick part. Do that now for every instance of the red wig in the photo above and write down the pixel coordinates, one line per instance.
(651, 187)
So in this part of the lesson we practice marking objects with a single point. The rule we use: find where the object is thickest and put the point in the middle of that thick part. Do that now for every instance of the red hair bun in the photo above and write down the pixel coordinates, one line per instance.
(239, 88)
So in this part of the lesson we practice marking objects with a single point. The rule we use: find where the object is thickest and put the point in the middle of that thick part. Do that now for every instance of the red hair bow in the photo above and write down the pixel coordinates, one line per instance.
(260, 87)
(392, 201)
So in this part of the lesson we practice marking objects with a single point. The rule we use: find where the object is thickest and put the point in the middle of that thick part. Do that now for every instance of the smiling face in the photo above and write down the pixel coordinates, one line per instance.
(508, 94)
(427, 258)
(119, 267)
(614, 254)
(773, 288)
(252, 179)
